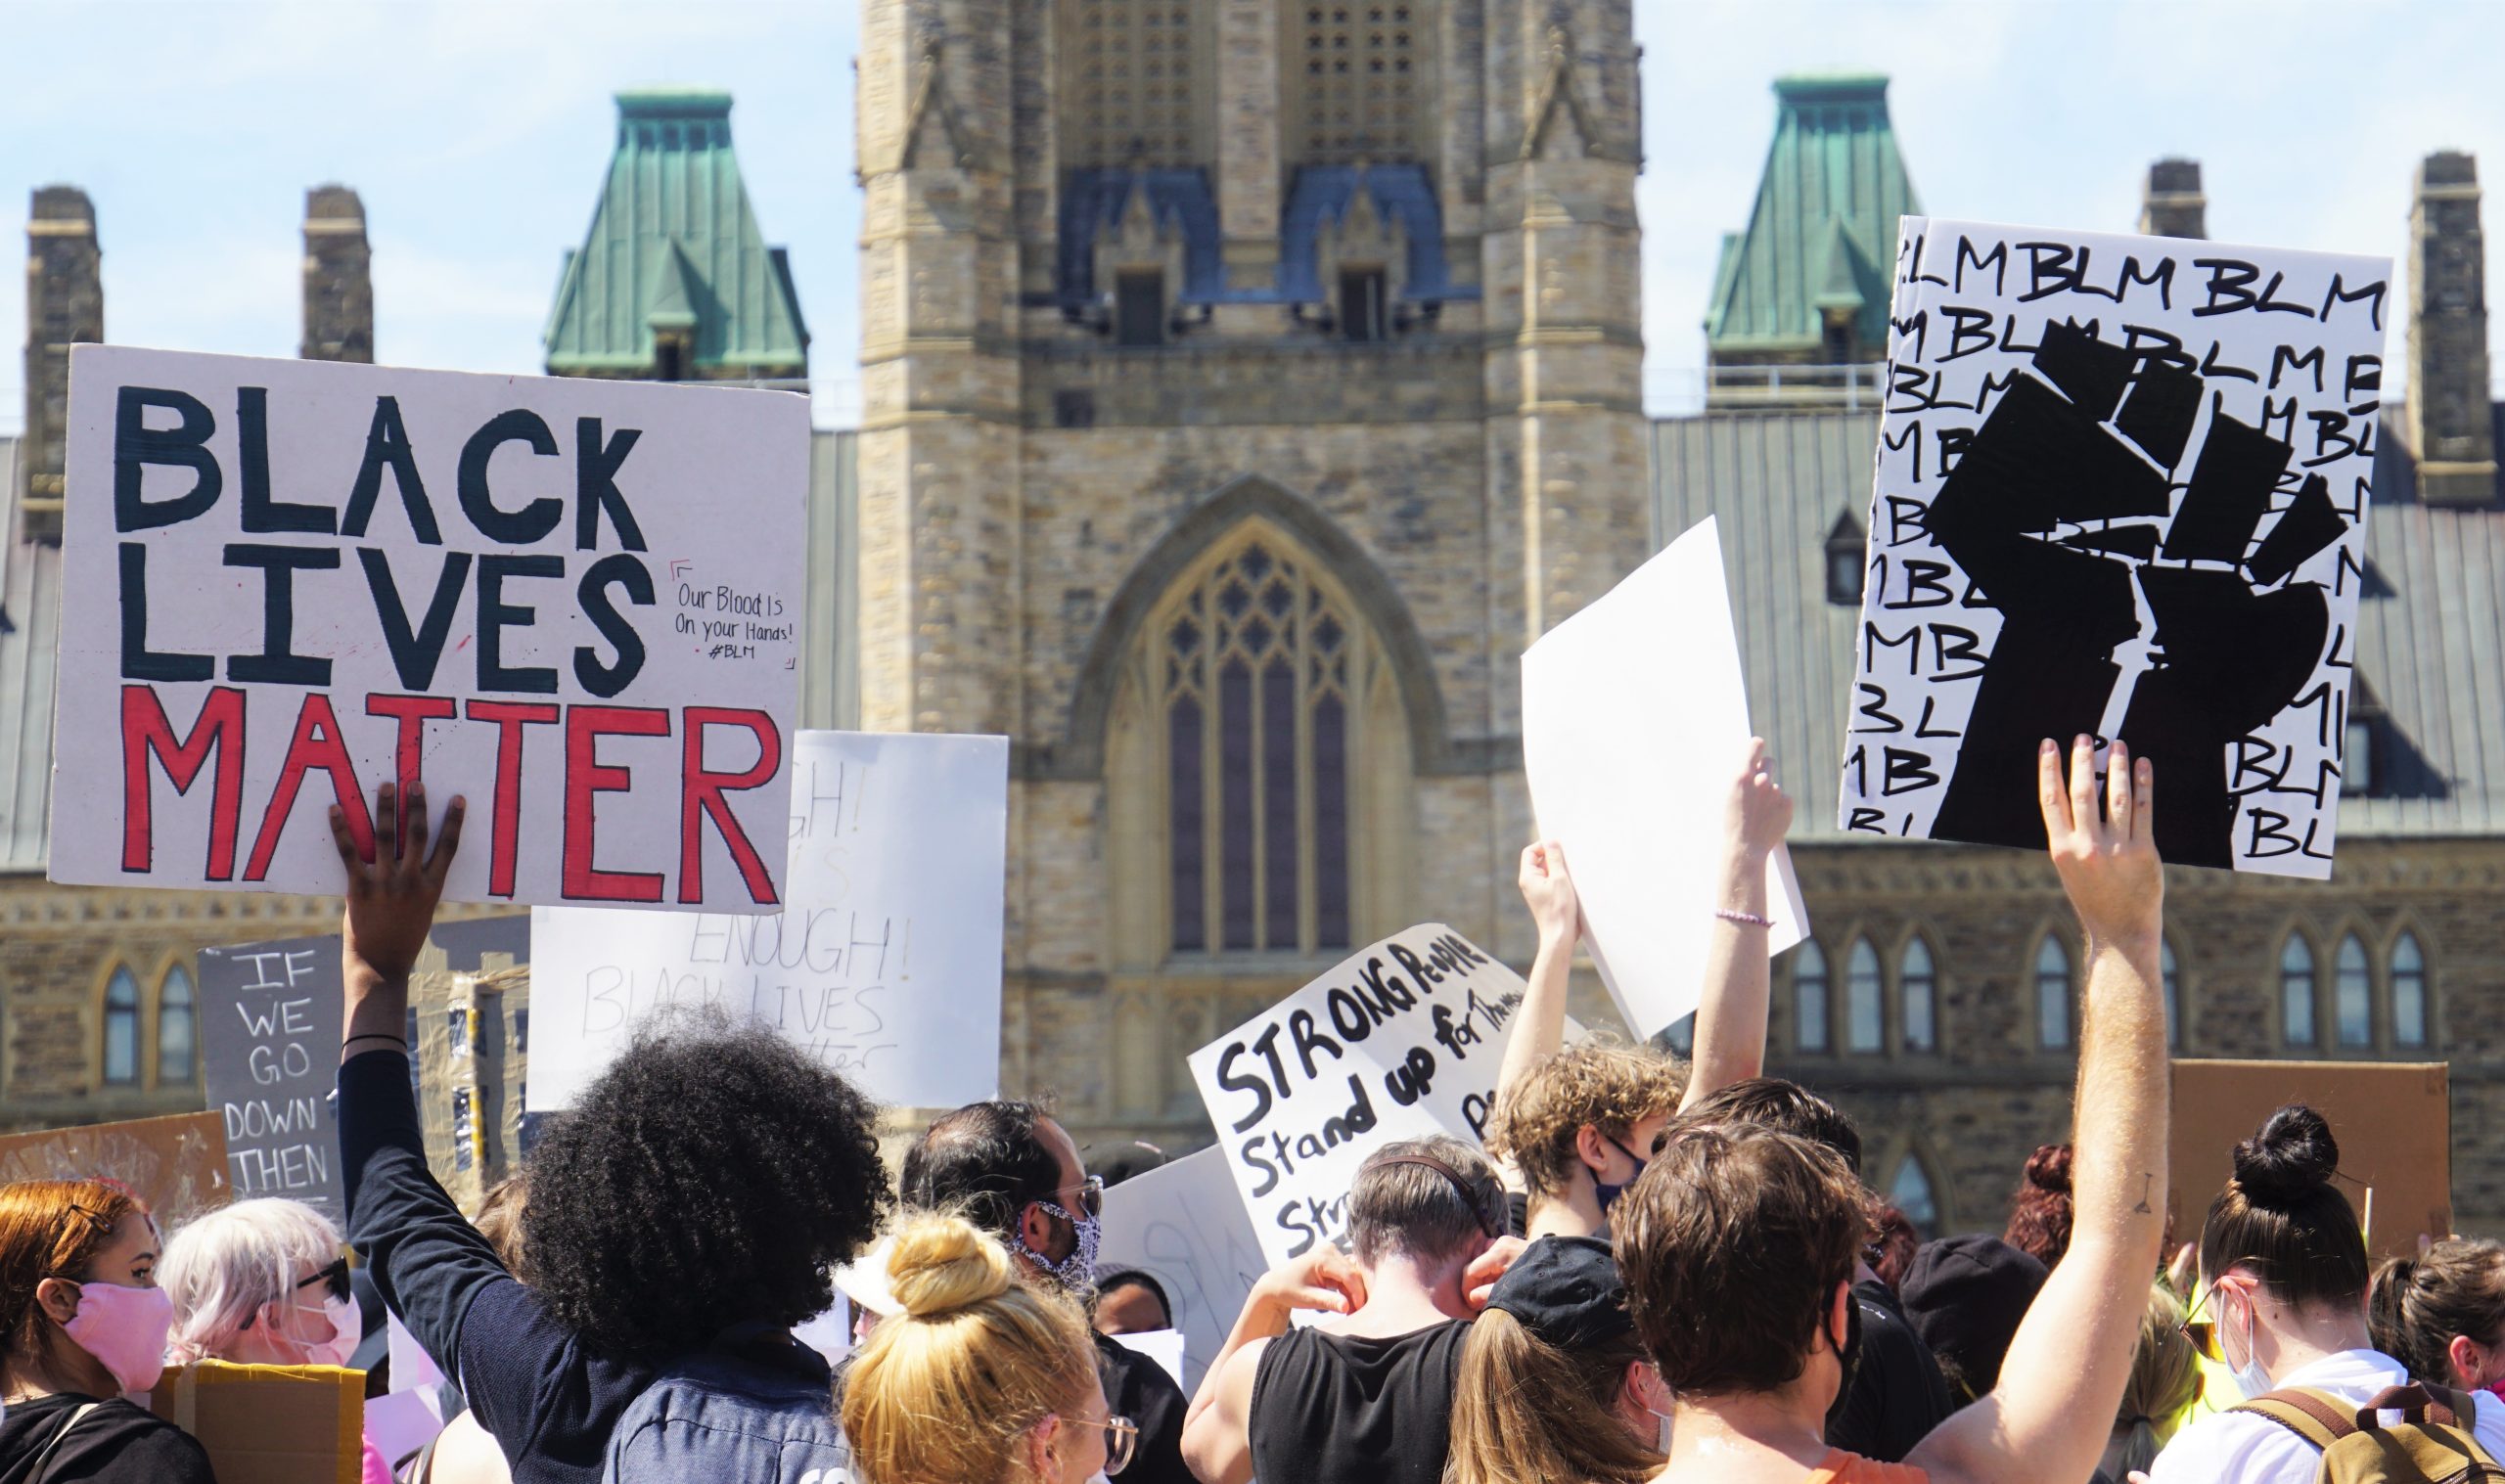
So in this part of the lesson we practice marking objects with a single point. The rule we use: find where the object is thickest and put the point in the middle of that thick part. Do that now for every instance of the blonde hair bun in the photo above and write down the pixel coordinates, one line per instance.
(941, 1264)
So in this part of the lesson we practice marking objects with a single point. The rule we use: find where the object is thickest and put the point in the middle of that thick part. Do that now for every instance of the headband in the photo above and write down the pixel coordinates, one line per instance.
(1489, 1220)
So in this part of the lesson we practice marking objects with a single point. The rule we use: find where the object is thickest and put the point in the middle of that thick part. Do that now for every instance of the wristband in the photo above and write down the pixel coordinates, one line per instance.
(1744, 918)
(376, 1035)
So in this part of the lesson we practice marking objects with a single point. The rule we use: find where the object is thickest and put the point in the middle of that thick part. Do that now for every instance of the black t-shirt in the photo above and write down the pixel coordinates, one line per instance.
(117, 1443)
(1335, 1408)
(1897, 1395)
(1138, 1388)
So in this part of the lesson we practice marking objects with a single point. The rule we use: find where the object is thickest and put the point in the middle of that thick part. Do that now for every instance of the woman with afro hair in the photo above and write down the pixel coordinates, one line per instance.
(683, 1216)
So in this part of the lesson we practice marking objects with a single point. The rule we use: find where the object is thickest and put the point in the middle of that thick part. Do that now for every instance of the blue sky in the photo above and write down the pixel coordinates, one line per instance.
(476, 130)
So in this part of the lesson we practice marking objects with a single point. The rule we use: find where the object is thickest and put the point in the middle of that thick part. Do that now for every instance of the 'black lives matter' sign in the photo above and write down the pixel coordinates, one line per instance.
(2122, 490)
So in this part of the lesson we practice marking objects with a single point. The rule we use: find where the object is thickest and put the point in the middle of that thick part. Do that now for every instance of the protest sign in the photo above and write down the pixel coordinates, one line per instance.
(1635, 720)
(1184, 1223)
(1400, 1040)
(270, 1055)
(177, 1164)
(2121, 491)
(572, 601)
(1163, 1346)
(884, 965)
(2392, 1121)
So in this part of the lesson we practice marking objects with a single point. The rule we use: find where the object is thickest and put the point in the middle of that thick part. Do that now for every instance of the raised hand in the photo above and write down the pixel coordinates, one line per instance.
(1549, 889)
(392, 898)
(2109, 863)
(1478, 1279)
(1760, 812)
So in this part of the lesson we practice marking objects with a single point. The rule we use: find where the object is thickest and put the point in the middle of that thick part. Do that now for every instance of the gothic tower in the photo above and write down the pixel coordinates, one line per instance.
(2452, 419)
(2172, 203)
(1247, 382)
(65, 305)
(338, 278)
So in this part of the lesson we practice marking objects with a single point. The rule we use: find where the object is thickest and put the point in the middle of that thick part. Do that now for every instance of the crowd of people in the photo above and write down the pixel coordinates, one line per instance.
(1654, 1269)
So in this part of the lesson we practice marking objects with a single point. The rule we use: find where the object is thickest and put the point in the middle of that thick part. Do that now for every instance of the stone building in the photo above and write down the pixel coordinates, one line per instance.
(1247, 384)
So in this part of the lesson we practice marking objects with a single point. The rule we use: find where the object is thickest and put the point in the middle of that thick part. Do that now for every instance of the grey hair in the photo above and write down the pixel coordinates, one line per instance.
(223, 1266)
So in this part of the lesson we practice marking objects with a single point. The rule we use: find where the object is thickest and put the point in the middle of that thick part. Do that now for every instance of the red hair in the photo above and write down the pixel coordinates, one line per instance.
(2039, 1211)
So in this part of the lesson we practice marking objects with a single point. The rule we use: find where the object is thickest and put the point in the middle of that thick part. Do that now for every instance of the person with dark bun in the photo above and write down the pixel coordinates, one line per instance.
(682, 1217)
(1739, 1244)
(2039, 1210)
(2282, 1303)
(2442, 1313)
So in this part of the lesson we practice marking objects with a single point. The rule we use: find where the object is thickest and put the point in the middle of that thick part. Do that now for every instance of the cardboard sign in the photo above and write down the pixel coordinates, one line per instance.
(270, 1055)
(177, 1164)
(2392, 1121)
(575, 601)
(1184, 1223)
(272, 1424)
(885, 967)
(1635, 719)
(2121, 491)
(1400, 1040)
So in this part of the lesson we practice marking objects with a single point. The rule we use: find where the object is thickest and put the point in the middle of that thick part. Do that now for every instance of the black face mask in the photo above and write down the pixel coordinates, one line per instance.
(1604, 1195)
(1848, 1354)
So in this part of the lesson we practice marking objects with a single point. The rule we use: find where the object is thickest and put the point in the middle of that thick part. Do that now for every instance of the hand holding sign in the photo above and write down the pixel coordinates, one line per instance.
(391, 909)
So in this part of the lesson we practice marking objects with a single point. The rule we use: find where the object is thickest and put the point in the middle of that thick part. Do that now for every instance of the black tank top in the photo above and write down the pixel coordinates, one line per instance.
(1335, 1409)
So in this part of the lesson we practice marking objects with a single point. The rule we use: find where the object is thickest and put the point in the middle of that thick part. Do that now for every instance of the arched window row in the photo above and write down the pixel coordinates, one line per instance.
(150, 1036)
(1882, 1012)
(2366, 1003)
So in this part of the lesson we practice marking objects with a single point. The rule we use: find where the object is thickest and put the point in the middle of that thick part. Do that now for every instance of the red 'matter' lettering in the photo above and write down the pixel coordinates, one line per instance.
(146, 733)
(700, 796)
(586, 776)
(316, 745)
(504, 818)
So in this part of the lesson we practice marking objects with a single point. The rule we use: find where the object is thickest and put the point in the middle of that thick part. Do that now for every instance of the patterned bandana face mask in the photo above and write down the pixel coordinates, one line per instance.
(1077, 1270)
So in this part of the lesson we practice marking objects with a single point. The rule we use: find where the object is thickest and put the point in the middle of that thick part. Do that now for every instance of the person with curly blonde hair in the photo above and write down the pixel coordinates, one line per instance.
(1578, 1123)
(979, 1379)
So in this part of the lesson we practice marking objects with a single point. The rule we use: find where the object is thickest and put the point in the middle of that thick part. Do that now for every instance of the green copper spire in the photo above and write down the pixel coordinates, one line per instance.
(675, 282)
(1808, 280)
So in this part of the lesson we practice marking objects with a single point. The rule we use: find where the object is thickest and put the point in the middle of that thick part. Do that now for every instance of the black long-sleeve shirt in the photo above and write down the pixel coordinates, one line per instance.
(549, 1402)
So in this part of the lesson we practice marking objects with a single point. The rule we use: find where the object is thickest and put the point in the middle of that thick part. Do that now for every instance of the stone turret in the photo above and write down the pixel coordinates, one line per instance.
(338, 278)
(2171, 205)
(2451, 416)
(65, 305)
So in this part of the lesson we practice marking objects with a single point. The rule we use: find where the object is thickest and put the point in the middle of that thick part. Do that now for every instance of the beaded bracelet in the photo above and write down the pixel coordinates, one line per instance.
(1744, 918)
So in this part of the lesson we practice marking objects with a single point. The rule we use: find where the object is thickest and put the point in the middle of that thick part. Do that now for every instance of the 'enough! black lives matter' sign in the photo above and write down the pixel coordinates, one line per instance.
(2121, 491)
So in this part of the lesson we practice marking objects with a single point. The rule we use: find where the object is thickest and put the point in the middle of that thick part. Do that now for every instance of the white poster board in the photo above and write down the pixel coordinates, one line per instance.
(1184, 1223)
(1400, 1040)
(1636, 721)
(885, 965)
(573, 602)
(2121, 491)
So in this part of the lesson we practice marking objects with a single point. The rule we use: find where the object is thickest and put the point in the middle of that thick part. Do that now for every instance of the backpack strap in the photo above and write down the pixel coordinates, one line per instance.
(43, 1460)
(2319, 1418)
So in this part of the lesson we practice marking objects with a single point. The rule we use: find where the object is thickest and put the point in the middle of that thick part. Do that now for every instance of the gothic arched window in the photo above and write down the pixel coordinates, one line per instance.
(1260, 670)
(1810, 998)
(1918, 993)
(2052, 995)
(177, 1028)
(2352, 994)
(122, 1029)
(2296, 991)
(1864, 994)
(2408, 992)
(1910, 1191)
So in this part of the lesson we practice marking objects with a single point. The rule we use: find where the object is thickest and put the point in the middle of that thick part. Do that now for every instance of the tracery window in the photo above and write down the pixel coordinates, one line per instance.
(1809, 996)
(177, 1027)
(1910, 1191)
(1358, 72)
(1132, 74)
(2053, 994)
(1916, 990)
(1864, 995)
(122, 1029)
(2296, 991)
(2408, 992)
(1258, 659)
(2352, 990)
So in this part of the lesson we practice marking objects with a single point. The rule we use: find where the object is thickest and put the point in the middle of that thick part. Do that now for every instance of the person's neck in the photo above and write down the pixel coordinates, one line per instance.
(1574, 1211)
(52, 1374)
(2311, 1334)
(1402, 1296)
(1738, 1434)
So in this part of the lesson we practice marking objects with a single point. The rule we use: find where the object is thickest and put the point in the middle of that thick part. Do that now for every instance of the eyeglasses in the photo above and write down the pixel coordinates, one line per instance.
(1091, 1194)
(2204, 1332)
(1122, 1440)
(334, 1276)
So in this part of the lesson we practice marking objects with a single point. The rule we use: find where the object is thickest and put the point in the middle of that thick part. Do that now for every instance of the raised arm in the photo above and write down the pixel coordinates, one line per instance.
(2062, 1380)
(1538, 1028)
(1217, 1439)
(1730, 1018)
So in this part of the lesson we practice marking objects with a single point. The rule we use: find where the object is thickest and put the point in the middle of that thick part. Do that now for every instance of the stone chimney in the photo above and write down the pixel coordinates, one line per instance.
(65, 305)
(2451, 420)
(338, 278)
(2172, 205)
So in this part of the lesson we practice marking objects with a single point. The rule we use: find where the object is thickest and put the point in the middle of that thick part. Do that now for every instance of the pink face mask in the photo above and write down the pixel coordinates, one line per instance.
(348, 1326)
(124, 1329)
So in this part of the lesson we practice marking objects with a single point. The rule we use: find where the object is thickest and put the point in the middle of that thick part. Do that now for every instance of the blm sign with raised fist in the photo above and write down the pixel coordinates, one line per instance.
(2122, 490)
(576, 603)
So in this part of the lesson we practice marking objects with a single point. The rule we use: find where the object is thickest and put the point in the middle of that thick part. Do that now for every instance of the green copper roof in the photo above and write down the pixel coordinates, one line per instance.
(1823, 235)
(675, 247)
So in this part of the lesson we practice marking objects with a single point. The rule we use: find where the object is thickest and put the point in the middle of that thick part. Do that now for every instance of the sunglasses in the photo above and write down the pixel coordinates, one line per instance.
(2202, 1333)
(1091, 1195)
(334, 1277)
(1122, 1440)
